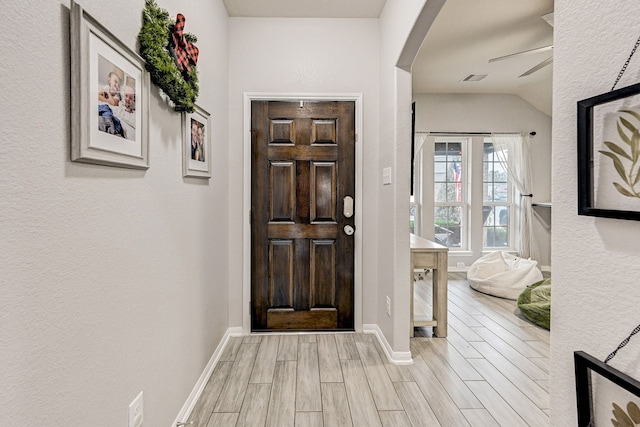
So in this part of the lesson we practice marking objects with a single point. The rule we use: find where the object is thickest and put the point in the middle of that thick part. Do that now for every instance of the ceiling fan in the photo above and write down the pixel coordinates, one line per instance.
(549, 19)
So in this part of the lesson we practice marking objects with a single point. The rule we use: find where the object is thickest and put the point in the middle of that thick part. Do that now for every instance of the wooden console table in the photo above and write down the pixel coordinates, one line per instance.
(428, 254)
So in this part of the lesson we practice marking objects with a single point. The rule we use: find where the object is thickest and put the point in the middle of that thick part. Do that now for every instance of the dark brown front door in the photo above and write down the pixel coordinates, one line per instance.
(302, 168)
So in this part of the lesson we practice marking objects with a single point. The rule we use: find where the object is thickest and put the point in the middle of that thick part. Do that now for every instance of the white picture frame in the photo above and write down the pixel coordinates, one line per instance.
(109, 97)
(196, 143)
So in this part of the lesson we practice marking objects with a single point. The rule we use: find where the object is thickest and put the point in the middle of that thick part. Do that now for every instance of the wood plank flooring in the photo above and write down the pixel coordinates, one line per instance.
(492, 370)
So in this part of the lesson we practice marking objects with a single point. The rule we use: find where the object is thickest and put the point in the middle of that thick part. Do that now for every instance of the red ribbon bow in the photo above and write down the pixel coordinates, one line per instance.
(184, 52)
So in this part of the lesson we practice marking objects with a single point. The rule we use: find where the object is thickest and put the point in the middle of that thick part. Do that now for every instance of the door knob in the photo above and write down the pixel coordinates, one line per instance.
(349, 230)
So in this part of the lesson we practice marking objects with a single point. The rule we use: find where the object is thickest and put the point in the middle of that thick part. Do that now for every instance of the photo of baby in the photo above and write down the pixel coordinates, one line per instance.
(116, 100)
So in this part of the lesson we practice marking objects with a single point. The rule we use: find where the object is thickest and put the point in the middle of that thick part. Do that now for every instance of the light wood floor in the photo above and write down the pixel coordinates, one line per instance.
(491, 370)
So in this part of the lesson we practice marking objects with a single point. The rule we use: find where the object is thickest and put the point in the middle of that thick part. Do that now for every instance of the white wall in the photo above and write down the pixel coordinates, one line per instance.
(596, 261)
(303, 56)
(113, 281)
(496, 113)
(397, 26)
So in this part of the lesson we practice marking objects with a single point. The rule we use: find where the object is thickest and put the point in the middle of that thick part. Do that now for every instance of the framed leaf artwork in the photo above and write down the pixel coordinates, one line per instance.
(604, 395)
(609, 154)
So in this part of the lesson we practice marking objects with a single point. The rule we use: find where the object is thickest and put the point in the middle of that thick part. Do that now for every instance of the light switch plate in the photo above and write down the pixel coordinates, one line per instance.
(386, 176)
(136, 412)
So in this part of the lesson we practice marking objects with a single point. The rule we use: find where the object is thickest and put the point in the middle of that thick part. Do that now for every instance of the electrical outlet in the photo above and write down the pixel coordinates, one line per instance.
(388, 306)
(136, 412)
(460, 265)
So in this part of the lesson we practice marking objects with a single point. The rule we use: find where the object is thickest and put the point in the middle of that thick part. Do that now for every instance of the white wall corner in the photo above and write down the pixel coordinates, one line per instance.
(188, 406)
(395, 357)
(423, 23)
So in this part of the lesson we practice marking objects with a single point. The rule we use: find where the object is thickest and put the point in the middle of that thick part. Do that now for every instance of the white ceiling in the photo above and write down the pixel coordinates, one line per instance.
(305, 8)
(465, 35)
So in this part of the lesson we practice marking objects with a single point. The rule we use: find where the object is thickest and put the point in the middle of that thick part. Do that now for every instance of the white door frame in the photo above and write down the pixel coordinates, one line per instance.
(246, 228)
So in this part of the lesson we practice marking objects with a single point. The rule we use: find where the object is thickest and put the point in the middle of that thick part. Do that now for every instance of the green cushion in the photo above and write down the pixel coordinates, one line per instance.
(535, 303)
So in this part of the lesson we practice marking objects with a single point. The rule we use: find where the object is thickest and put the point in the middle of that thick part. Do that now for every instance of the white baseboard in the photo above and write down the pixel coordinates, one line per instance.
(458, 269)
(188, 406)
(546, 269)
(395, 357)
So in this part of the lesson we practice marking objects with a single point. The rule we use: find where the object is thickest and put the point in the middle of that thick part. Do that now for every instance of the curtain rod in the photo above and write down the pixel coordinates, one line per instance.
(533, 133)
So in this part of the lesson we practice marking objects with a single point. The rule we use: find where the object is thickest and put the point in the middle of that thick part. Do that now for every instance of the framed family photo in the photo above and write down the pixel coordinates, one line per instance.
(604, 395)
(109, 97)
(609, 154)
(196, 144)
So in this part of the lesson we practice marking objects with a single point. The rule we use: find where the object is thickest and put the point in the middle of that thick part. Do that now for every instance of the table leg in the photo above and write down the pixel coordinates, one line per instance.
(411, 327)
(440, 297)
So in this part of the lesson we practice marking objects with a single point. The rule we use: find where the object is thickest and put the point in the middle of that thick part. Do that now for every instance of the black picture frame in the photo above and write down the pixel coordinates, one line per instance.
(589, 402)
(590, 116)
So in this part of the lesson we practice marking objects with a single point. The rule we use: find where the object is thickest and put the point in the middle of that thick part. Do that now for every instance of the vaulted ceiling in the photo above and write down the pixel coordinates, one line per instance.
(466, 34)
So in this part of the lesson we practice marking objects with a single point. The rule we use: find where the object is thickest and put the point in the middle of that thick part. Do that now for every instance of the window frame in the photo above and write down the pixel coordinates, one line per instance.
(509, 204)
(464, 204)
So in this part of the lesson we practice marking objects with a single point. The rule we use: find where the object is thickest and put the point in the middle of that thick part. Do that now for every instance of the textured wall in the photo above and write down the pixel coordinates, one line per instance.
(497, 113)
(113, 281)
(596, 261)
(396, 29)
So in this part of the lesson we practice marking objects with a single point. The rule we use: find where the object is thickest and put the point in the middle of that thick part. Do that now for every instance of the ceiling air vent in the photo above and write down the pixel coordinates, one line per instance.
(474, 77)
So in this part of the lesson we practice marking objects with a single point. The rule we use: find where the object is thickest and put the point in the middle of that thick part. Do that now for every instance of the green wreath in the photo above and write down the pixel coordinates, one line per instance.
(180, 87)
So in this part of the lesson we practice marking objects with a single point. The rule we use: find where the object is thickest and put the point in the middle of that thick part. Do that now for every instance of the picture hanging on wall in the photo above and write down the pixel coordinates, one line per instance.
(609, 154)
(605, 396)
(109, 97)
(196, 144)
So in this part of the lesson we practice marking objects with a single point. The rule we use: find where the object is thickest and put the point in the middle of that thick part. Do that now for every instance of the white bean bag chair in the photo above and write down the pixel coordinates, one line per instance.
(503, 275)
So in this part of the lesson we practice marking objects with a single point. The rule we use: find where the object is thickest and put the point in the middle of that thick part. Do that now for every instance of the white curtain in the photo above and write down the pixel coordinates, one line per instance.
(418, 185)
(513, 152)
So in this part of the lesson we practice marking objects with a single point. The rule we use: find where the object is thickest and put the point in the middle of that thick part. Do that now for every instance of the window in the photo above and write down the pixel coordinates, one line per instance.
(473, 206)
(450, 208)
(413, 208)
(496, 201)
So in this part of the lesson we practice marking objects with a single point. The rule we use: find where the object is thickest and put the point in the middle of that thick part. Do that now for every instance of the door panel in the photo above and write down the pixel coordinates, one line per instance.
(281, 255)
(323, 278)
(323, 192)
(303, 165)
(282, 177)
